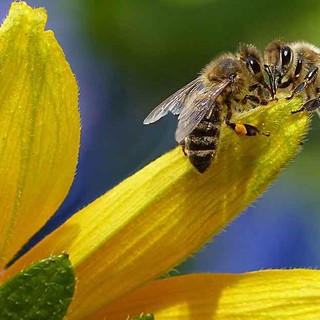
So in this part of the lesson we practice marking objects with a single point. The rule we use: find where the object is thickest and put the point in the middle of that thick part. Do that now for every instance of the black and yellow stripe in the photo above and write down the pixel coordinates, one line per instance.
(202, 143)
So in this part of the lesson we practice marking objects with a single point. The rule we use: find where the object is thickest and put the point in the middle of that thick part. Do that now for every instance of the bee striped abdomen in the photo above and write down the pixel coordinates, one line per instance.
(202, 143)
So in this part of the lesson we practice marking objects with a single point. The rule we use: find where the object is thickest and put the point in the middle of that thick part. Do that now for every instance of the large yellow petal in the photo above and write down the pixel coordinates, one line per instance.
(163, 213)
(263, 295)
(39, 126)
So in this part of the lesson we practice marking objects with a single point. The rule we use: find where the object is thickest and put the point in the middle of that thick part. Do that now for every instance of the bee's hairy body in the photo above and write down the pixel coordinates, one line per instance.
(294, 69)
(227, 84)
(201, 144)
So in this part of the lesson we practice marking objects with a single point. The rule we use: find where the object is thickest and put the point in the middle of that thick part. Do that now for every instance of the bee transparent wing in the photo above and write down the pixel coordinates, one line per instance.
(175, 102)
(196, 108)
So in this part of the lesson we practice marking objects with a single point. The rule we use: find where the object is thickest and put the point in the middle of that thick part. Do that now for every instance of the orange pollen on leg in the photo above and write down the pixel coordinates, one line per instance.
(240, 129)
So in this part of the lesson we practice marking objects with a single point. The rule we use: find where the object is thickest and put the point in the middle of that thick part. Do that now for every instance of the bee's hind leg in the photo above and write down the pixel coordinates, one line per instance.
(243, 129)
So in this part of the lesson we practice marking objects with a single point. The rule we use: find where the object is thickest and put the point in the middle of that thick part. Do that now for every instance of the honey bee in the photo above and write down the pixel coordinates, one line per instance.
(227, 84)
(293, 68)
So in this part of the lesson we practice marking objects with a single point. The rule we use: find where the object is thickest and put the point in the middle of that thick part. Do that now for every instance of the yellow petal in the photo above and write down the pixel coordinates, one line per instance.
(39, 126)
(159, 216)
(263, 295)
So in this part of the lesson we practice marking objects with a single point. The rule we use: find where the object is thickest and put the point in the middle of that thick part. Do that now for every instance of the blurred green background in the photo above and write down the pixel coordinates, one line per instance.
(130, 55)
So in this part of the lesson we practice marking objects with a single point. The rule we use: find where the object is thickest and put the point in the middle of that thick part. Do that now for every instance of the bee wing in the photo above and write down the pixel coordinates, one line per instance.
(197, 107)
(175, 102)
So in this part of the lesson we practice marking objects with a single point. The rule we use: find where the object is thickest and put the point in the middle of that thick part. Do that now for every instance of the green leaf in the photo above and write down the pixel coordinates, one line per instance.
(42, 291)
(148, 316)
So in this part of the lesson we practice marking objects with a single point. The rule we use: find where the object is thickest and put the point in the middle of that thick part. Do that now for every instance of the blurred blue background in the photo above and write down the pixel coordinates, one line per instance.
(128, 56)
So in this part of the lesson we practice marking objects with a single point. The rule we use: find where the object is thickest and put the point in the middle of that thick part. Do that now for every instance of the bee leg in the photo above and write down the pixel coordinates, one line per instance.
(297, 72)
(260, 92)
(258, 88)
(293, 79)
(254, 87)
(308, 79)
(244, 129)
(252, 98)
(309, 106)
(285, 84)
(297, 89)
(256, 100)
(183, 147)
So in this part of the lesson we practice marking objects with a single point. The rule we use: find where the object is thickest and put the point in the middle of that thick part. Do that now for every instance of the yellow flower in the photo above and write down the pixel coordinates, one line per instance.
(149, 223)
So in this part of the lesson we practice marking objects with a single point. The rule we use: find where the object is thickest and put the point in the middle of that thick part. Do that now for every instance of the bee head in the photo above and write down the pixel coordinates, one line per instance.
(278, 59)
(250, 56)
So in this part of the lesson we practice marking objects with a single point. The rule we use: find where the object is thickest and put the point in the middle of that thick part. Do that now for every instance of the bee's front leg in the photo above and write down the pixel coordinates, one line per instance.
(308, 80)
(255, 99)
(251, 98)
(309, 106)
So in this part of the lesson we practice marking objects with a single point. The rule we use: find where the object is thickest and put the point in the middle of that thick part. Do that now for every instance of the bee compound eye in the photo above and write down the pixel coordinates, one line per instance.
(285, 55)
(253, 64)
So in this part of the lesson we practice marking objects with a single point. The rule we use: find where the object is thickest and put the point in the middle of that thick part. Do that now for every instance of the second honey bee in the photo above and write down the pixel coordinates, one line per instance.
(228, 83)
(293, 69)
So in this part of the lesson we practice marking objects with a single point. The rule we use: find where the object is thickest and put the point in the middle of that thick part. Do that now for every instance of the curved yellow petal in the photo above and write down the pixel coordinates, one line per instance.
(263, 295)
(165, 212)
(39, 126)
